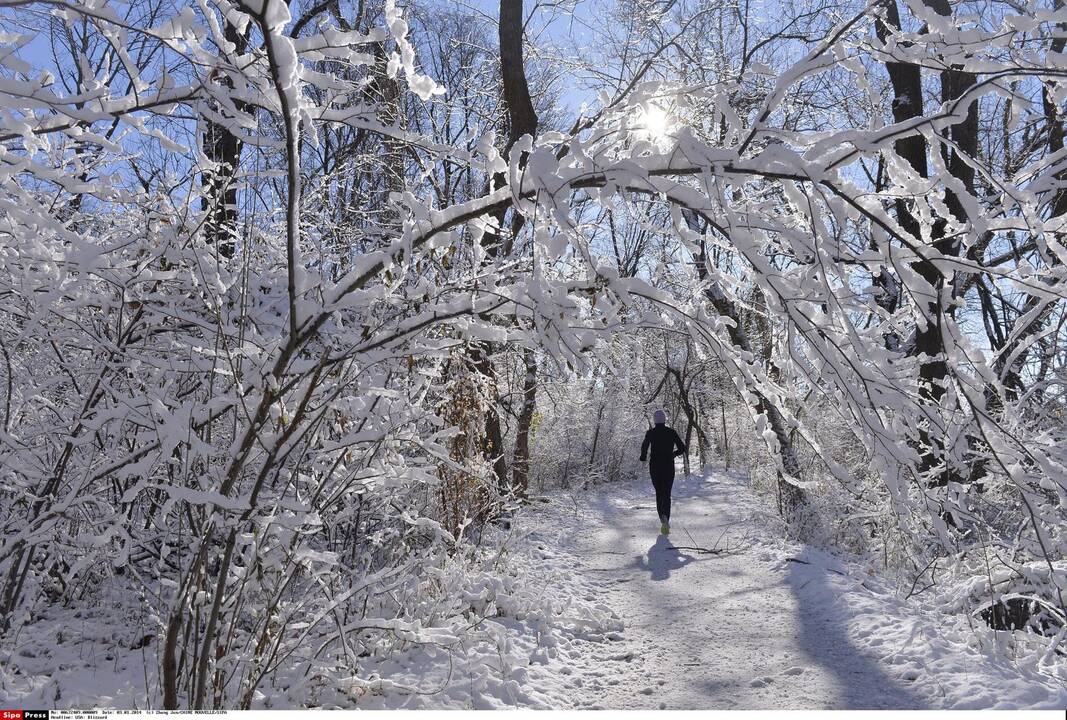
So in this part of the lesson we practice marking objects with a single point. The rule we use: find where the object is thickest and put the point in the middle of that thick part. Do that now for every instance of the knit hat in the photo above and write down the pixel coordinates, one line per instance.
(660, 417)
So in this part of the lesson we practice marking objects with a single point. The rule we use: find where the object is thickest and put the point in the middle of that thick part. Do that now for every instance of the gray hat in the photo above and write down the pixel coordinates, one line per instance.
(660, 417)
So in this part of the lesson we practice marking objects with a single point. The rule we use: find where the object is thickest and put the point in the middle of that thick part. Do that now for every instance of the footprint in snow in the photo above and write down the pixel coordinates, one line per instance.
(793, 671)
(646, 691)
(761, 681)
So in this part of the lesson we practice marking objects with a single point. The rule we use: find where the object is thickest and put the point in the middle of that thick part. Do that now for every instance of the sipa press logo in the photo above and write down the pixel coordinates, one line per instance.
(24, 714)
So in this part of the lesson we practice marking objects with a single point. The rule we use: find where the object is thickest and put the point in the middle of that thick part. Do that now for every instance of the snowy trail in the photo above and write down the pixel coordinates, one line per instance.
(593, 609)
(767, 624)
(721, 631)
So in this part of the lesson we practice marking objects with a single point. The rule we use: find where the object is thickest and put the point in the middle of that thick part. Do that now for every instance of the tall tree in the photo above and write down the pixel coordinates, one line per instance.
(222, 147)
(957, 153)
(521, 120)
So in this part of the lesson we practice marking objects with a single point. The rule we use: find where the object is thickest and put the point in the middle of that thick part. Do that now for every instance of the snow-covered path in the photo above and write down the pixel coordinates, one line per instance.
(719, 631)
(765, 624)
(590, 607)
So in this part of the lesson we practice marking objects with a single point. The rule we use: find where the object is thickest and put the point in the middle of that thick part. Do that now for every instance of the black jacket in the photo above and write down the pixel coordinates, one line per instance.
(662, 440)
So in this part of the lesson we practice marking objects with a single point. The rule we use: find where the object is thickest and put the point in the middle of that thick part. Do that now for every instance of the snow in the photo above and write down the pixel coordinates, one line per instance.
(594, 609)
(768, 624)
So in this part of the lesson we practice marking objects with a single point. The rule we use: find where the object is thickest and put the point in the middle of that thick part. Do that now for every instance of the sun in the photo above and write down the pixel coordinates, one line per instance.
(656, 122)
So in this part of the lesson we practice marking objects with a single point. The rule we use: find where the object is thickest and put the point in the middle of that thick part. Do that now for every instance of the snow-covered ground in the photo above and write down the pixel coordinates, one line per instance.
(766, 623)
(594, 609)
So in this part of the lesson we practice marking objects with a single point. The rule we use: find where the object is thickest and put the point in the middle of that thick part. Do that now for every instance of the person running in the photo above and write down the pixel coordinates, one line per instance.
(663, 442)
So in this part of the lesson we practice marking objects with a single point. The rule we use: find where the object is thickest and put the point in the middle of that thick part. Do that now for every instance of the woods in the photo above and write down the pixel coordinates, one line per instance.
(301, 304)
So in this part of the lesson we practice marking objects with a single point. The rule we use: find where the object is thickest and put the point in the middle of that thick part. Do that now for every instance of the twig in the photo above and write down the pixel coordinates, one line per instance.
(706, 551)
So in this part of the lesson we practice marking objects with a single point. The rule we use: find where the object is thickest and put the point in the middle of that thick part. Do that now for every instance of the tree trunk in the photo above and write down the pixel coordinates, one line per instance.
(725, 438)
(223, 149)
(929, 342)
(692, 419)
(493, 443)
(906, 80)
(520, 479)
(522, 120)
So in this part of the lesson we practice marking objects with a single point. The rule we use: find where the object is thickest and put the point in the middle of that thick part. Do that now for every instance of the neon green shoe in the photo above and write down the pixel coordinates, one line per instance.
(665, 529)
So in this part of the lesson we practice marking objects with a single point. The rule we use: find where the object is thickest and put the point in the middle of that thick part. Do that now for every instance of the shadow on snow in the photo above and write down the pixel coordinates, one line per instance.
(822, 619)
(662, 558)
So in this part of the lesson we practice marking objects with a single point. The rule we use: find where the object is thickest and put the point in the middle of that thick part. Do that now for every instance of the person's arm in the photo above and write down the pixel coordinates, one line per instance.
(681, 445)
(645, 444)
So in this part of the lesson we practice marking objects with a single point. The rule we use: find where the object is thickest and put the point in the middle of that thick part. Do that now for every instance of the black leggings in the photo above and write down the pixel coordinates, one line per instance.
(663, 481)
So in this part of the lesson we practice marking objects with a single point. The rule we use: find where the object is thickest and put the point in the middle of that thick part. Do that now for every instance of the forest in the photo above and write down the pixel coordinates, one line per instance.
(311, 311)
